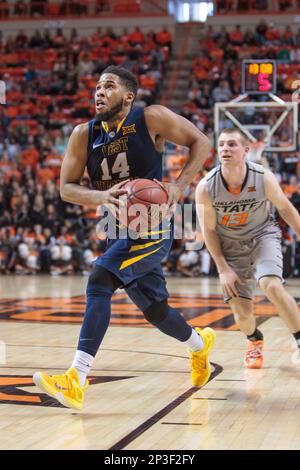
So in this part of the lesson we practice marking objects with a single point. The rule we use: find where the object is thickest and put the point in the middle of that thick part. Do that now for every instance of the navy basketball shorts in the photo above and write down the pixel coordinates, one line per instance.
(137, 263)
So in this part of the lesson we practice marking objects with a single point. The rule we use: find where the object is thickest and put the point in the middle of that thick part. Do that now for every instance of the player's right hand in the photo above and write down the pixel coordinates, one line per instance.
(112, 195)
(228, 280)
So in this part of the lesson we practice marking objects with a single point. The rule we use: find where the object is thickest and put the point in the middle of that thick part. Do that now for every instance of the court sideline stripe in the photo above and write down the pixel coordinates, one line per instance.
(125, 441)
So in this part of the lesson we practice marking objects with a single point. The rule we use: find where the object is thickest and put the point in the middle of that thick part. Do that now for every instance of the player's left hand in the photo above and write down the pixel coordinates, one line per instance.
(174, 193)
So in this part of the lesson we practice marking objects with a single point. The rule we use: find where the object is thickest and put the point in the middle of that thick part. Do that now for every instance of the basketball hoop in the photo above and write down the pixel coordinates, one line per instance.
(255, 151)
(276, 119)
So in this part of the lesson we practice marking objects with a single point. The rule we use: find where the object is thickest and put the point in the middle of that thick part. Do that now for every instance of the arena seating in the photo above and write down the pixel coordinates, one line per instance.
(50, 80)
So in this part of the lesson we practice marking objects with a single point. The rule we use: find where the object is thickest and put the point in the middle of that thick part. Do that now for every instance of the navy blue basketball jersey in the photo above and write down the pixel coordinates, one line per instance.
(127, 152)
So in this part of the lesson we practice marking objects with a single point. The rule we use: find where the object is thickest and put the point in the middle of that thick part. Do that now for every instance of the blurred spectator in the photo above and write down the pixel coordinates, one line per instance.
(189, 263)
(260, 5)
(222, 92)
(137, 37)
(236, 36)
(175, 162)
(38, 7)
(27, 257)
(21, 8)
(206, 261)
(4, 9)
(164, 38)
(52, 93)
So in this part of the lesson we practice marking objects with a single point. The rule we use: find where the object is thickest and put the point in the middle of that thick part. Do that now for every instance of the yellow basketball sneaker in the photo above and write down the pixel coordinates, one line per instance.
(64, 388)
(199, 359)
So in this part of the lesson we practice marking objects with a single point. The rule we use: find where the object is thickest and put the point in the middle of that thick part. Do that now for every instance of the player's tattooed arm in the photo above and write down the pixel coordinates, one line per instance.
(277, 197)
(72, 171)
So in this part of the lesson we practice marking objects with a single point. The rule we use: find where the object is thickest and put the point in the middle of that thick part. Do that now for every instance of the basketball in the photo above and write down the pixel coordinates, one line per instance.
(146, 204)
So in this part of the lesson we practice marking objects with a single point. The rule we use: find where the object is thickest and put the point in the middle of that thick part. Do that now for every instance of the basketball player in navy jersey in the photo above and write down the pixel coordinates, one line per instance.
(244, 239)
(122, 143)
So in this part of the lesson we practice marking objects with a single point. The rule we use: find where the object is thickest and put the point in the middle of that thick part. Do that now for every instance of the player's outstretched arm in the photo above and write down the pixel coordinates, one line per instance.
(277, 197)
(208, 221)
(72, 170)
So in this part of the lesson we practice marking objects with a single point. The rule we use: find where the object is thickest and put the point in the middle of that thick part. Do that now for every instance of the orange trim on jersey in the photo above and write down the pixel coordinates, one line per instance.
(235, 190)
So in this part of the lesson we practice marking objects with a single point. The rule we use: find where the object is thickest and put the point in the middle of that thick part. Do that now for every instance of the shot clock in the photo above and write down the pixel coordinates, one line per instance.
(258, 76)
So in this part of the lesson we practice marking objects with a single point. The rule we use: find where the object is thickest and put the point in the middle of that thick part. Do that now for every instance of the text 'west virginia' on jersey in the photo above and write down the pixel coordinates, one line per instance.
(124, 153)
(244, 213)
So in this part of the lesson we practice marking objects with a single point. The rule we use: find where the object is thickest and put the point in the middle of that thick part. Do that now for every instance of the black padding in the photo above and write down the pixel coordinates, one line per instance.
(156, 312)
(101, 277)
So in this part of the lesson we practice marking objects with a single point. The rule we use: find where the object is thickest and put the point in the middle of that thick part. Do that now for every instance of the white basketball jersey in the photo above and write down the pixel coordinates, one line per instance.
(243, 215)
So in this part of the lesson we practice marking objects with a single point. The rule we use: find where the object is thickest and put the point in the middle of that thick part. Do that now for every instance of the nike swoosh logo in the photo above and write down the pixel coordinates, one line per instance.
(97, 145)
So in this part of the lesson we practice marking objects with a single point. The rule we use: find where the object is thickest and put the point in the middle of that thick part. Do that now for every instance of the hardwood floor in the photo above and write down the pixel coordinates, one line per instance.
(140, 395)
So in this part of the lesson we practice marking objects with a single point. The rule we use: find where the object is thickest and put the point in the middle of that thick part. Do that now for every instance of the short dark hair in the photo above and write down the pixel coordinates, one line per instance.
(233, 130)
(128, 79)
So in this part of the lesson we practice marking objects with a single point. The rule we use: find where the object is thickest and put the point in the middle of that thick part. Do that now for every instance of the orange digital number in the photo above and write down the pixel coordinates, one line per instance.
(253, 69)
(266, 68)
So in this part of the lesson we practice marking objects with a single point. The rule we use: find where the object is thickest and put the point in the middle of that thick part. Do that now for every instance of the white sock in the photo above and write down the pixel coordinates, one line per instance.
(82, 362)
(195, 342)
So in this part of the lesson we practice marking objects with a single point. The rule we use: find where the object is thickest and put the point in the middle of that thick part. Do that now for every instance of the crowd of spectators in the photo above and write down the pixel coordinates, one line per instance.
(187, 258)
(216, 73)
(216, 76)
(256, 6)
(70, 8)
(50, 80)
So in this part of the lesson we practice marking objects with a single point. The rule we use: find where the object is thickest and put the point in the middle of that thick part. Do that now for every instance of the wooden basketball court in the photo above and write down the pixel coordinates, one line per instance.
(140, 395)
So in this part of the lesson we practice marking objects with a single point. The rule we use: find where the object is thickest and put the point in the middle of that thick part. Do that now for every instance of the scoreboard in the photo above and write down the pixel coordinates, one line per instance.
(258, 76)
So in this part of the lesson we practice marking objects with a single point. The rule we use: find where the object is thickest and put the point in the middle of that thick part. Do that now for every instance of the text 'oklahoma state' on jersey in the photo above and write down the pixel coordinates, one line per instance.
(243, 214)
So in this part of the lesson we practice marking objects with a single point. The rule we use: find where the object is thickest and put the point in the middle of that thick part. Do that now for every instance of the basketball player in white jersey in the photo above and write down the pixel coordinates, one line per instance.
(243, 238)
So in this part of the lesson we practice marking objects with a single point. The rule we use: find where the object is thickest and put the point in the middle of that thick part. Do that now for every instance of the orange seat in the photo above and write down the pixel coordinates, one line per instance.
(120, 8)
(134, 7)
(12, 58)
(53, 9)
(24, 122)
(14, 71)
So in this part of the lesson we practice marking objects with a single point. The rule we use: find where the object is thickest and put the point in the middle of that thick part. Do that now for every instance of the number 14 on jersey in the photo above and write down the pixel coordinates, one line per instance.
(120, 168)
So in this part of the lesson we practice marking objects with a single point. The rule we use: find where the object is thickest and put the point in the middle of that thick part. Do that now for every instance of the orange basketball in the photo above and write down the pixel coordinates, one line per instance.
(146, 201)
